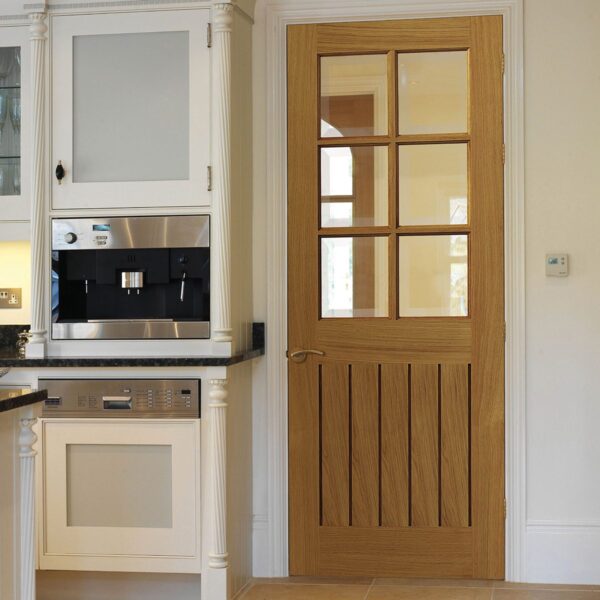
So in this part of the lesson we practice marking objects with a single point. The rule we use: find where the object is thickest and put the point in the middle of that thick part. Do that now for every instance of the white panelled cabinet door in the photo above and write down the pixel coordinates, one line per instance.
(15, 122)
(121, 495)
(130, 109)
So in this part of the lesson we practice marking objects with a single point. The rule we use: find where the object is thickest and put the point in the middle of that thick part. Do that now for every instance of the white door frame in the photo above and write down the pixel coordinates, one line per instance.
(279, 14)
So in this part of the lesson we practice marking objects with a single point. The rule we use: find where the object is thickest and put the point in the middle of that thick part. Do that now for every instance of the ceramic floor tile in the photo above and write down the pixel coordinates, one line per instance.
(288, 591)
(318, 580)
(545, 586)
(529, 594)
(405, 592)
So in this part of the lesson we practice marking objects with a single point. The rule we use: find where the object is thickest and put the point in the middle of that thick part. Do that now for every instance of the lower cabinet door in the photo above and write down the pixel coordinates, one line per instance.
(120, 495)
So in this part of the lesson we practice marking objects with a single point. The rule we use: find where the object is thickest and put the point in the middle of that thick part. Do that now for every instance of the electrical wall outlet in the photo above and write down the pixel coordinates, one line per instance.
(10, 298)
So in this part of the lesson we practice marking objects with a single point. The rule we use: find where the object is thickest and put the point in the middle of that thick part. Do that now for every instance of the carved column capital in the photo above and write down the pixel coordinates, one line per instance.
(27, 438)
(37, 26)
(223, 17)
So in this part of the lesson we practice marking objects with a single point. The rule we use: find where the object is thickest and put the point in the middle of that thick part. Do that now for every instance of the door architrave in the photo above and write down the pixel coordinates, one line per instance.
(278, 15)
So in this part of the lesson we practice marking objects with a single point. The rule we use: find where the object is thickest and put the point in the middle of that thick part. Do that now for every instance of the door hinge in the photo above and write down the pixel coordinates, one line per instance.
(503, 63)
(209, 178)
(505, 508)
(209, 36)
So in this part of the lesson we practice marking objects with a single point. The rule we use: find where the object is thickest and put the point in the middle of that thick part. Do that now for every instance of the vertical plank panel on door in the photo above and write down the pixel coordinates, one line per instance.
(455, 445)
(335, 444)
(394, 445)
(365, 445)
(424, 445)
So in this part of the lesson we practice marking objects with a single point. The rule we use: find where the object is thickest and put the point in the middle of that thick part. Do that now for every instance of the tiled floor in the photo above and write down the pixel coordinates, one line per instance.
(310, 588)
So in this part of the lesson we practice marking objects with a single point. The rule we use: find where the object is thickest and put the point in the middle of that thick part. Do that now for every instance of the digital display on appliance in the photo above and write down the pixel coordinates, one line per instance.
(101, 227)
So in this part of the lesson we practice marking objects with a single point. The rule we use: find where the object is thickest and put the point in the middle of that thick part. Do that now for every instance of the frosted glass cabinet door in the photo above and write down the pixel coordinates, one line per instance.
(131, 109)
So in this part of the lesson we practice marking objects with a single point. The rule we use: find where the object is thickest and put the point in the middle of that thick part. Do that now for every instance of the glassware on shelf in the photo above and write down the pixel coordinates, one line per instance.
(17, 179)
(6, 60)
(15, 113)
(3, 111)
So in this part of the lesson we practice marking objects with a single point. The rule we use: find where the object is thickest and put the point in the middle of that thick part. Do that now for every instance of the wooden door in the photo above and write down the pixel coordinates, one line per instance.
(395, 246)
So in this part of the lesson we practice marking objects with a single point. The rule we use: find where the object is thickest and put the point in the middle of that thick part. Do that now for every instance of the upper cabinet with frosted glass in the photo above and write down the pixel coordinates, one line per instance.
(130, 109)
(14, 123)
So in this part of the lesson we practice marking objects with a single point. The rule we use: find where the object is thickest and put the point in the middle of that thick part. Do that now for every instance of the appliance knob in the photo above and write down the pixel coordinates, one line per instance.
(70, 237)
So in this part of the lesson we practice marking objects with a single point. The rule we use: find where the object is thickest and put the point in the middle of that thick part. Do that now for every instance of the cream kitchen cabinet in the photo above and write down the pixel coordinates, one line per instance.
(15, 121)
(130, 114)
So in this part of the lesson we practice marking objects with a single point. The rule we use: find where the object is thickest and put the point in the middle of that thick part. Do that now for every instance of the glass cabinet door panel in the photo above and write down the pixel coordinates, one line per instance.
(433, 276)
(433, 92)
(131, 107)
(354, 186)
(353, 95)
(10, 121)
(354, 277)
(432, 184)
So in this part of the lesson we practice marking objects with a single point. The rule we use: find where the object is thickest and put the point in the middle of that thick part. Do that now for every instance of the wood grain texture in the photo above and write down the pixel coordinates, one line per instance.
(335, 444)
(407, 551)
(424, 446)
(303, 406)
(487, 298)
(455, 492)
(365, 445)
(394, 446)
(402, 35)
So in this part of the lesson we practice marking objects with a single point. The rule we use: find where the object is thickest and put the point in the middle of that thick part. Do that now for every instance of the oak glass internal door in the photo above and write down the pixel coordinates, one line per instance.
(15, 122)
(131, 109)
(121, 495)
(396, 309)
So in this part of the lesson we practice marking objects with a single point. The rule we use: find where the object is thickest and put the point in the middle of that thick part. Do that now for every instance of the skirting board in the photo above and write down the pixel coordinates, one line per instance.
(563, 552)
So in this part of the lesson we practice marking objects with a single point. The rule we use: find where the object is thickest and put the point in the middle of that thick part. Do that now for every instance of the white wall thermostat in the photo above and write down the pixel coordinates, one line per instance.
(557, 265)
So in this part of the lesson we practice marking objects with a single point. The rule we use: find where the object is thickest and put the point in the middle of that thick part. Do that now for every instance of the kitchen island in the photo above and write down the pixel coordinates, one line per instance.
(19, 408)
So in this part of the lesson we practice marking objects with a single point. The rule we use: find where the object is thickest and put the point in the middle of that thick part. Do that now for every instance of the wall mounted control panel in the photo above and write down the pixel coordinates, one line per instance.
(121, 398)
(557, 265)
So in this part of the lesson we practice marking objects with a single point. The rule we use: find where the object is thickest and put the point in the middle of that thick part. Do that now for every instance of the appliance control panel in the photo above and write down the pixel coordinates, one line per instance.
(121, 398)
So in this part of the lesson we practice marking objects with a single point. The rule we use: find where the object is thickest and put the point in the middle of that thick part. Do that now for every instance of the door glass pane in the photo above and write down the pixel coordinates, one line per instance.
(433, 92)
(432, 184)
(354, 277)
(354, 95)
(119, 485)
(10, 121)
(131, 107)
(433, 276)
(354, 186)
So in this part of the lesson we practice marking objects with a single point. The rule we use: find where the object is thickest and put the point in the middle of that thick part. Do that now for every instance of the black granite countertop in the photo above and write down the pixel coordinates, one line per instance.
(10, 358)
(17, 398)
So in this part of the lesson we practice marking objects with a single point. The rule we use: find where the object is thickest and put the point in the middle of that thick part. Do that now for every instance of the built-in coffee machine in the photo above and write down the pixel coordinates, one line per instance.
(131, 278)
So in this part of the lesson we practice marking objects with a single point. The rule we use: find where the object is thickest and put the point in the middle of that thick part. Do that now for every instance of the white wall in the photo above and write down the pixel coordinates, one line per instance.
(15, 272)
(562, 137)
(562, 92)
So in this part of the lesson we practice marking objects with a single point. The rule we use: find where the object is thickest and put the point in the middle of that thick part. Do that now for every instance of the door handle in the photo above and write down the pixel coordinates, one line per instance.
(300, 355)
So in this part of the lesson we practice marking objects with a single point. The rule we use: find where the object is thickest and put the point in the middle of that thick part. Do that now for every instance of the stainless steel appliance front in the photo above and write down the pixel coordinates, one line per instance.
(122, 398)
(131, 278)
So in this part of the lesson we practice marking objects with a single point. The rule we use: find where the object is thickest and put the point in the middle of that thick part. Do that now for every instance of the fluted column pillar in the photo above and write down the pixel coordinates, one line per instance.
(27, 509)
(222, 24)
(37, 35)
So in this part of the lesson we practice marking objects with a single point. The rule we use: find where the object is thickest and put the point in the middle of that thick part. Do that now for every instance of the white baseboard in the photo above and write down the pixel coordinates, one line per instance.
(260, 546)
(563, 552)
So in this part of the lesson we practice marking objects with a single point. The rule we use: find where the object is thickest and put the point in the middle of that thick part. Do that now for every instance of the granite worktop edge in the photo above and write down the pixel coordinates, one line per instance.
(24, 398)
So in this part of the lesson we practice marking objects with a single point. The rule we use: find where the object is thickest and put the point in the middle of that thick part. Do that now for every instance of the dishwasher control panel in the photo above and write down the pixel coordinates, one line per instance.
(121, 398)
